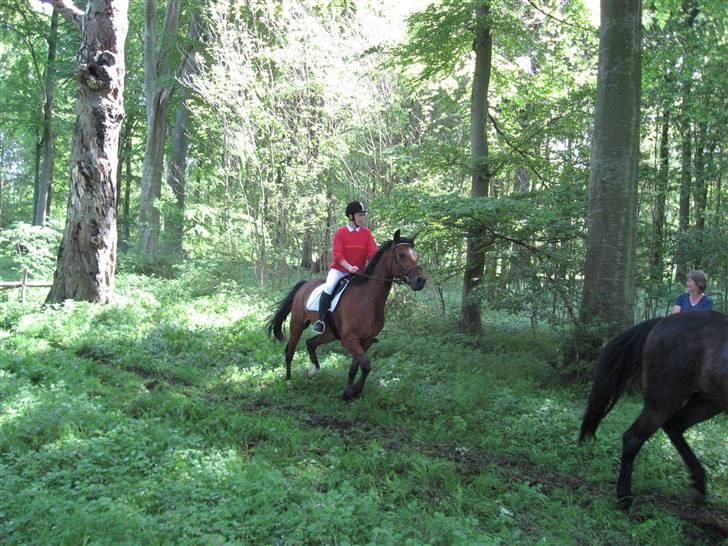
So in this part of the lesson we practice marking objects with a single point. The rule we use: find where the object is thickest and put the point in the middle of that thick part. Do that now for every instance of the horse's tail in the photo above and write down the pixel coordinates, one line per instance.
(619, 360)
(275, 324)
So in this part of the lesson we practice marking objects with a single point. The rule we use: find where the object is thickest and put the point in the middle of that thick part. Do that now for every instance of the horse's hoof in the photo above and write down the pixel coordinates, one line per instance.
(313, 370)
(696, 496)
(348, 395)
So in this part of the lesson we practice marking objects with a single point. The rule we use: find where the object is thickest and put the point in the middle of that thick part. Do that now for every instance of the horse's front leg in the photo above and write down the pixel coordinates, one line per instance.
(359, 360)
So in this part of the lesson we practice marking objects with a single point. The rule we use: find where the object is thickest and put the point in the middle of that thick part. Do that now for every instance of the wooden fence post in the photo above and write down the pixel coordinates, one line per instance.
(23, 279)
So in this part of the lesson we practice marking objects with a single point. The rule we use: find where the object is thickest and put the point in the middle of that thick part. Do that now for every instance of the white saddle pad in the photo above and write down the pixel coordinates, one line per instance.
(313, 300)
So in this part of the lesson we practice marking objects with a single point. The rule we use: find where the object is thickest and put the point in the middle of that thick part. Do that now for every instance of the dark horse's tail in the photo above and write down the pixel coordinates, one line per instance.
(275, 324)
(619, 360)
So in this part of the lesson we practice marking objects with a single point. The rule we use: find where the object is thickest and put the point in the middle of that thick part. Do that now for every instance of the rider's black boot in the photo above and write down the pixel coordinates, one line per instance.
(324, 302)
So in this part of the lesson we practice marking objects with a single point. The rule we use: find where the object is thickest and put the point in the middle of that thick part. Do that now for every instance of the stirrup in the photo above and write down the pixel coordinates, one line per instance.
(319, 326)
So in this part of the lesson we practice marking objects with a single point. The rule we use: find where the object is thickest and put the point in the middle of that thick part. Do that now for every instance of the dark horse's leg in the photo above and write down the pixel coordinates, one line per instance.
(696, 410)
(644, 426)
(359, 359)
(312, 344)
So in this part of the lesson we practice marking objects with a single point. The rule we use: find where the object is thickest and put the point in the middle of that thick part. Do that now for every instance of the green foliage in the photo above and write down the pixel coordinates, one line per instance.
(440, 36)
(23, 246)
(164, 418)
(23, 59)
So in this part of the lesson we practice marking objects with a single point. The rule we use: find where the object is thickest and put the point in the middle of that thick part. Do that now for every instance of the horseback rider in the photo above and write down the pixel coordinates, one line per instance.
(353, 246)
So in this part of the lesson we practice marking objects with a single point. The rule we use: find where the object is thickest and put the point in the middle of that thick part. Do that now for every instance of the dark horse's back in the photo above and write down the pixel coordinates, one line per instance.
(688, 353)
(677, 356)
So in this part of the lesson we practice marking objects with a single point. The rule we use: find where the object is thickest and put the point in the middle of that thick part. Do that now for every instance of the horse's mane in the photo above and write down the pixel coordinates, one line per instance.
(386, 245)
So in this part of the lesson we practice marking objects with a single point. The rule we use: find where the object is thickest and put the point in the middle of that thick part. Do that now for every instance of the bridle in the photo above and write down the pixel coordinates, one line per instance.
(403, 278)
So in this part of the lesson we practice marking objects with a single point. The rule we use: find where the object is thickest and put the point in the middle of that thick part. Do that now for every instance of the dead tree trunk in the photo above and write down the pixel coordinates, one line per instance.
(87, 255)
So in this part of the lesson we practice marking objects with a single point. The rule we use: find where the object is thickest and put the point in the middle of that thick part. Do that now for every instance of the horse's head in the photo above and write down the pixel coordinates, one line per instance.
(403, 262)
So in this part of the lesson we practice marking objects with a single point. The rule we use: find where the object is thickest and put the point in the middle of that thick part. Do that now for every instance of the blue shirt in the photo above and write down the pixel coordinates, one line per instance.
(683, 300)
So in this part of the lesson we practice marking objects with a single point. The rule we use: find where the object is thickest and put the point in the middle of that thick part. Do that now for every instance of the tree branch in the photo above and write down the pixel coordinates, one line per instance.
(69, 11)
(562, 21)
(522, 153)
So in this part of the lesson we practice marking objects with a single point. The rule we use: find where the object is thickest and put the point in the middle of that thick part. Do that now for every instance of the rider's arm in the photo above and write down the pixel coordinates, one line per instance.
(339, 248)
(346, 265)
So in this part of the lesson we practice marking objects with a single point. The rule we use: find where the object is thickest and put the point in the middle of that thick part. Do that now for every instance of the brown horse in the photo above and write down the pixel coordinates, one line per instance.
(683, 362)
(359, 315)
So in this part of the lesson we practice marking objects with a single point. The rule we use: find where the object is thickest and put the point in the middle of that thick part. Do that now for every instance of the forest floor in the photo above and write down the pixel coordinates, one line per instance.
(165, 418)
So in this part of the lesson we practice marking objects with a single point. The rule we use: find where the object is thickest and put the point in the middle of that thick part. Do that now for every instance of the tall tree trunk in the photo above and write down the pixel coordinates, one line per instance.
(174, 220)
(307, 251)
(156, 68)
(470, 320)
(681, 269)
(658, 209)
(690, 11)
(126, 215)
(36, 169)
(2, 176)
(609, 271)
(176, 177)
(718, 214)
(701, 189)
(41, 207)
(124, 173)
(87, 255)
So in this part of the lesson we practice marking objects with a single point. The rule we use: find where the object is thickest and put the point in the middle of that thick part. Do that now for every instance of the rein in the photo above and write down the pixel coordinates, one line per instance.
(401, 279)
(397, 280)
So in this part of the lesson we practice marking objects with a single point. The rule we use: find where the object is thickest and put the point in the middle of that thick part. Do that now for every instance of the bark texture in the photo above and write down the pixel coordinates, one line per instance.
(177, 174)
(609, 271)
(470, 320)
(157, 67)
(87, 255)
(42, 203)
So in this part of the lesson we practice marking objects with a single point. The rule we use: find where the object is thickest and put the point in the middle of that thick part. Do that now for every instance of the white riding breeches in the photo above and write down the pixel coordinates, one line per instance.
(332, 279)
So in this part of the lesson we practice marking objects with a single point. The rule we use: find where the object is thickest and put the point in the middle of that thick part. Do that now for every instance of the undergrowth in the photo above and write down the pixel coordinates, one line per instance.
(164, 418)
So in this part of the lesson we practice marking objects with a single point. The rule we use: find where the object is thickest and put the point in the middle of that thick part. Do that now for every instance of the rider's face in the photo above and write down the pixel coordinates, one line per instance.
(359, 218)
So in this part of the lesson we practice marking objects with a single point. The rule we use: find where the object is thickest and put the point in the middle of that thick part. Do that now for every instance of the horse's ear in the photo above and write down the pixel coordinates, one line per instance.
(413, 238)
(396, 236)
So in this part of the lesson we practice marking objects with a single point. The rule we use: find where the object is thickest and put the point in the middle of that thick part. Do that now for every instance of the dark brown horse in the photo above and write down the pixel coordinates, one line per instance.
(359, 315)
(683, 362)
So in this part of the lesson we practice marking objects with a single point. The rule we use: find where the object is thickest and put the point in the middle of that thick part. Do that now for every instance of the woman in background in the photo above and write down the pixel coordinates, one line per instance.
(695, 297)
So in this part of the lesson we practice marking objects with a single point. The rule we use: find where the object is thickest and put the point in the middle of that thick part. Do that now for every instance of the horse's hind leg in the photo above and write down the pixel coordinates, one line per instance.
(294, 337)
(632, 441)
(697, 409)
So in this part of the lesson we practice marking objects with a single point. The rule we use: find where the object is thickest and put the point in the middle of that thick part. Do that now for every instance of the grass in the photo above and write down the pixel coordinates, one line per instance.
(164, 418)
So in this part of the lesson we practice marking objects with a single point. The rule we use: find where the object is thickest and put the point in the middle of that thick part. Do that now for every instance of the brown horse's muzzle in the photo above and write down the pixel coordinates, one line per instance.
(417, 282)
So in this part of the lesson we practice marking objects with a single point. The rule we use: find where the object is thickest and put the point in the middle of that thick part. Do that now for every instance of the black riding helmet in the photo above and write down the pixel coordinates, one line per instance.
(354, 207)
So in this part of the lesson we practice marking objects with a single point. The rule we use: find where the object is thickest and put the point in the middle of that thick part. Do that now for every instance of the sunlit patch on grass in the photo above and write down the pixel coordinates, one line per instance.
(392, 381)
(17, 406)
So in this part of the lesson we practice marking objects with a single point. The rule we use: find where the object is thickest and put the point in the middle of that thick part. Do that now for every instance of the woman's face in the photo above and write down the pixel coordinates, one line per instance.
(359, 218)
(692, 286)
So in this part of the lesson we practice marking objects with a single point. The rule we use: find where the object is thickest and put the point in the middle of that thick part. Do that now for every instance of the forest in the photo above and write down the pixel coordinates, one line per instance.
(170, 169)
